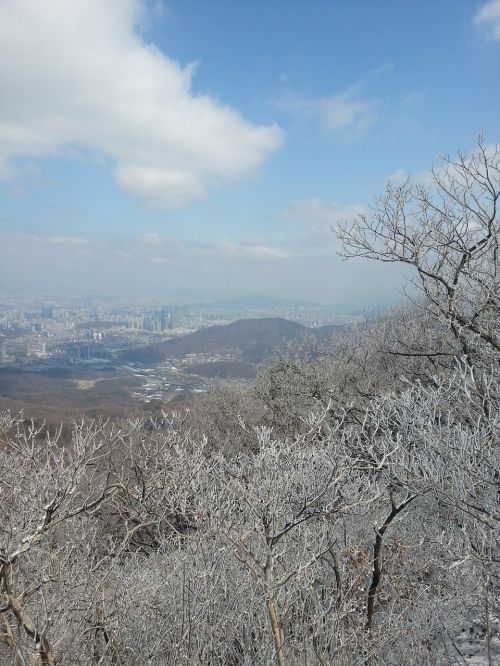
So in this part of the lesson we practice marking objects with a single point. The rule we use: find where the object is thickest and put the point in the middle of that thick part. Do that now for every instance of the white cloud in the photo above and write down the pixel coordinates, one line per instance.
(319, 216)
(398, 177)
(344, 111)
(441, 171)
(190, 270)
(263, 251)
(151, 239)
(80, 73)
(159, 260)
(159, 249)
(161, 187)
(122, 253)
(488, 15)
(67, 240)
(255, 250)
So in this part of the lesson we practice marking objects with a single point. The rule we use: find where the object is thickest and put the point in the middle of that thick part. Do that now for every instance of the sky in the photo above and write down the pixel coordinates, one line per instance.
(204, 149)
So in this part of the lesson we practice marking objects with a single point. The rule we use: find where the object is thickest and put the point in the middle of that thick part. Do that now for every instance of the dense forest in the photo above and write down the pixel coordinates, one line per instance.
(343, 509)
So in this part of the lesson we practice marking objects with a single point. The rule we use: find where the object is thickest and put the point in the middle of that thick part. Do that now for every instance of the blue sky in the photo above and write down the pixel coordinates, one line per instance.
(193, 149)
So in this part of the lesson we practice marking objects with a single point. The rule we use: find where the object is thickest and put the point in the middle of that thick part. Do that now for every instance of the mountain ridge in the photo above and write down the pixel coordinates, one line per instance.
(250, 339)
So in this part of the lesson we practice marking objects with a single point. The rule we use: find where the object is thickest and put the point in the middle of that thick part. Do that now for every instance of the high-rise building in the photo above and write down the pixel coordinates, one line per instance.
(87, 351)
(3, 352)
(81, 351)
(148, 324)
(47, 312)
(175, 320)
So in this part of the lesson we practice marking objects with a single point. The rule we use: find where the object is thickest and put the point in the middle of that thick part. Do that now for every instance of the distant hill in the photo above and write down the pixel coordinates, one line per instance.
(250, 339)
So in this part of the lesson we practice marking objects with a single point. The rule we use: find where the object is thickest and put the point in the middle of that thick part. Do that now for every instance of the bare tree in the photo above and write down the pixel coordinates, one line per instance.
(448, 233)
(44, 487)
(349, 541)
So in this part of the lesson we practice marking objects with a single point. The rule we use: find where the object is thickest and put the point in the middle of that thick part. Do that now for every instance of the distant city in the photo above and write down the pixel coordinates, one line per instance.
(87, 329)
(86, 340)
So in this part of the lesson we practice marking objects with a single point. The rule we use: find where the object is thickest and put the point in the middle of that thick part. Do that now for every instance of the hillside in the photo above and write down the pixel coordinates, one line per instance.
(66, 393)
(250, 339)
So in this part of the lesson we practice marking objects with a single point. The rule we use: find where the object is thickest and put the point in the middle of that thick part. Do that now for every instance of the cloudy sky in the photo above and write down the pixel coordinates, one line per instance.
(193, 149)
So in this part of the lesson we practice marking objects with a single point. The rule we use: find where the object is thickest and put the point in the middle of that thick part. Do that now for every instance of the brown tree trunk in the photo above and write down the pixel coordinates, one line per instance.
(277, 630)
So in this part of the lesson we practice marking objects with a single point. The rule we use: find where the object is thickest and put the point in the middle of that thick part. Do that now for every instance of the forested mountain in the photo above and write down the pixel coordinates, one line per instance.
(252, 339)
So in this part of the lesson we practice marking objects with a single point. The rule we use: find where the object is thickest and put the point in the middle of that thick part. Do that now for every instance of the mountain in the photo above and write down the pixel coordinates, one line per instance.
(250, 339)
